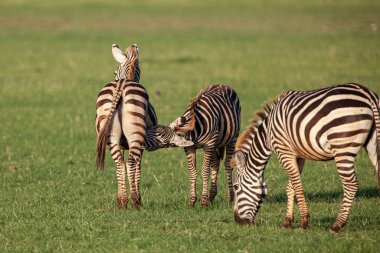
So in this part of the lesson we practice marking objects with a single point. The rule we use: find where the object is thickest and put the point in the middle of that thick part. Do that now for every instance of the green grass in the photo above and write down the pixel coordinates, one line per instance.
(56, 56)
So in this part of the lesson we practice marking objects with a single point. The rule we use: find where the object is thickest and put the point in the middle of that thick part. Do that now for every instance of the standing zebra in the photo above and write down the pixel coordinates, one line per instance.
(325, 124)
(211, 122)
(123, 113)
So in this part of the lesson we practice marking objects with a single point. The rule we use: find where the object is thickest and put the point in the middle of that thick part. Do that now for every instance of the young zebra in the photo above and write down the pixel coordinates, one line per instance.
(325, 124)
(211, 122)
(123, 113)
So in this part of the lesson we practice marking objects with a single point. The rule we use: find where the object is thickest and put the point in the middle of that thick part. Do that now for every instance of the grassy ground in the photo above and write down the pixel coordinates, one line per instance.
(56, 56)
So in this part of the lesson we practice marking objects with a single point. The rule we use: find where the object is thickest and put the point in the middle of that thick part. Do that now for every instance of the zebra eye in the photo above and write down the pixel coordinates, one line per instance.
(236, 187)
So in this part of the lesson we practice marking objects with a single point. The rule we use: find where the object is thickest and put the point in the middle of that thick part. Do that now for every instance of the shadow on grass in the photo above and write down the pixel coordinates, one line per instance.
(355, 222)
(369, 192)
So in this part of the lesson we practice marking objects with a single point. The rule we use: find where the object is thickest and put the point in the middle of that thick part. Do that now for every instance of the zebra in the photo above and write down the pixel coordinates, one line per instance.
(123, 113)
(324, 124)
(211, 122)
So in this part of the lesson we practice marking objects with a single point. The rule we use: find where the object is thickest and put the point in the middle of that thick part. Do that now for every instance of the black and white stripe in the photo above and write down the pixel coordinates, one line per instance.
(211, 122)
(123, 113)
(325, 124)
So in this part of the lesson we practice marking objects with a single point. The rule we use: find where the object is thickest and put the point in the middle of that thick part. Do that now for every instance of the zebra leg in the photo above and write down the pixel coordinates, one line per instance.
(117, 156)
(192, 170)
(346, 172)
(137, 180)
(215, 163)
(209, 154)
(289, 163)
(230, 149)
(290, 193)
(134, 158)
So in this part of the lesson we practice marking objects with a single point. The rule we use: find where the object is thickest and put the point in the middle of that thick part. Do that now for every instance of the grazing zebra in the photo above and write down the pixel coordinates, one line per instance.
(325, 124)
(211, 122)
(123, 113)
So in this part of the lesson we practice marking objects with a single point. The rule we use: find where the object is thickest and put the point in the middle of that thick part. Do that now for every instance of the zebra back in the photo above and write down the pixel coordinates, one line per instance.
(214, 111)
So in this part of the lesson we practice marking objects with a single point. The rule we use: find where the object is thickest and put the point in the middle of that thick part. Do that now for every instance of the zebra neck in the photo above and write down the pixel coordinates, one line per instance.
(260, 152)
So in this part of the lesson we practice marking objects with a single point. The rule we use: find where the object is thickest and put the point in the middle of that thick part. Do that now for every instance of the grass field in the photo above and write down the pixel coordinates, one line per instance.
(56, 56)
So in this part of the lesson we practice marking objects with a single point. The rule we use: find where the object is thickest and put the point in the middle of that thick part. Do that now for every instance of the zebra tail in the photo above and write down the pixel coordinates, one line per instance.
(105, 131)
(376, 108)
(101, 146)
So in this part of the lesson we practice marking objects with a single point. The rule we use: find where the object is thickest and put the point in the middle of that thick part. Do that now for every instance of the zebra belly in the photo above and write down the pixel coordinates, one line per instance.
(202, 142)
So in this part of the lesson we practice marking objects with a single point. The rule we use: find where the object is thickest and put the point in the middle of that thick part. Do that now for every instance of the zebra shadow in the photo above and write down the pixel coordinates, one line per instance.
(369, 192)
(356, 222)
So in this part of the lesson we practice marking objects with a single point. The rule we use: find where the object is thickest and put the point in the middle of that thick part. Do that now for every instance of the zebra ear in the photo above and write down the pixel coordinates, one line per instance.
(118, 54)
(188, 122)
(175, 122)
(136, 49)
(240, 158)
(182, 120)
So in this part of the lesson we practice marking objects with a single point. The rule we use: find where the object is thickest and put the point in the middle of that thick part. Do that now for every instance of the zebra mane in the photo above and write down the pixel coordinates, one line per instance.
(246, 138)
(191, 124)
(203, 91)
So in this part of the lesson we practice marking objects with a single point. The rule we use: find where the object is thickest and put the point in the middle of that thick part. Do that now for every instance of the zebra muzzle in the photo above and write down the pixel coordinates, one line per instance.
(242, 221)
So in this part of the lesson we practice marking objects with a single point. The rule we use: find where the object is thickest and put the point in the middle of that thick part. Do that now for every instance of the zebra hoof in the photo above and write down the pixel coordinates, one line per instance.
(334, 229)
(136, 206)
(305, 221)
(205, 201)
(287, 223)
(204, 204)
(136, 203)
(192, 201)
(122, 202)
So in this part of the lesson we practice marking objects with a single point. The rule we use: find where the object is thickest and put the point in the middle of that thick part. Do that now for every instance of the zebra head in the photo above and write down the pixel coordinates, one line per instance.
(250, 190)
(129, 63)
(159, 136)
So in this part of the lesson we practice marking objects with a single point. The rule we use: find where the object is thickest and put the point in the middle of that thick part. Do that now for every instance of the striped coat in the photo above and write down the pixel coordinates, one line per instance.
(333, 123)
(123, 113)
(212, 123)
